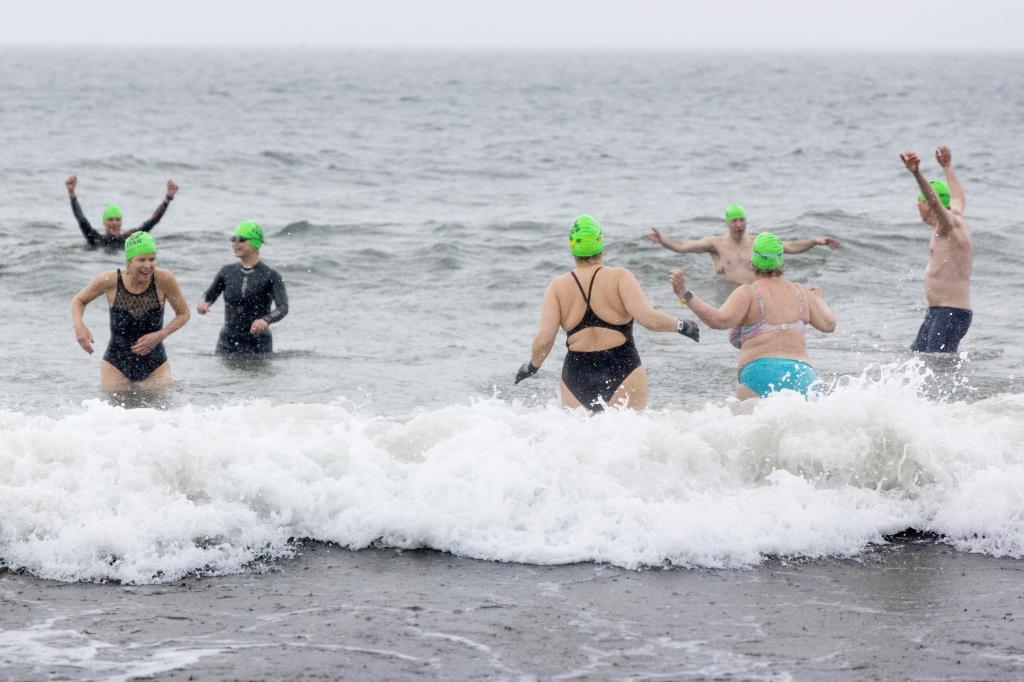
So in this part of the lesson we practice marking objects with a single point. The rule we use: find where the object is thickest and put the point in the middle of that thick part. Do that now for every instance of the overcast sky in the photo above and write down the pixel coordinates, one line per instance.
(682, 24)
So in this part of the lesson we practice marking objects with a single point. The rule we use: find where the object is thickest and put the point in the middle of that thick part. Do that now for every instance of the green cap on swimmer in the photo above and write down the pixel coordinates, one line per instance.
(733, 212)
(112, 211)
(139, 243)
(250, 231)
(941, 191)
(767, 253)
(585, 238)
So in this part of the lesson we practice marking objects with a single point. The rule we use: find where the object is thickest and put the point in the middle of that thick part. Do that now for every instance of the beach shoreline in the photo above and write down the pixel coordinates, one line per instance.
(910, 610)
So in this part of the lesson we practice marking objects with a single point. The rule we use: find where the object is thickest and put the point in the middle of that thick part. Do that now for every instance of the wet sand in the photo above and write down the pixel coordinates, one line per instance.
(914, 610)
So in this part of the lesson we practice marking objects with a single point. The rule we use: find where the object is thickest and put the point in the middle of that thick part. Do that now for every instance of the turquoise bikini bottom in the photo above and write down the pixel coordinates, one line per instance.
(767, 375)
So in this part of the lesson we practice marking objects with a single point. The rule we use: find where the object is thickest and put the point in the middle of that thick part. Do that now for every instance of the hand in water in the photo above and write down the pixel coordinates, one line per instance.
(527, 370)
(830, 242)
(654, 236)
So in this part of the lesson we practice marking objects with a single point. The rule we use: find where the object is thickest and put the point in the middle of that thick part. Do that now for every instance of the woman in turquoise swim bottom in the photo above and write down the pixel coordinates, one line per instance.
(768, 319)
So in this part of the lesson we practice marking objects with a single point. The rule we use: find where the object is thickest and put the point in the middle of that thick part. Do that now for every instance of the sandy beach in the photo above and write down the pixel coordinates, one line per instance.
(914, 610)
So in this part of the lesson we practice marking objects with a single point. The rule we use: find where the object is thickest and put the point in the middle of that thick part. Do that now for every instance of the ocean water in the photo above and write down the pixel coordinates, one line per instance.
(417, 205)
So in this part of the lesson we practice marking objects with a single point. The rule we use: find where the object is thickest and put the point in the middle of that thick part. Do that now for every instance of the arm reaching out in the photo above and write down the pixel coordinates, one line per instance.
(957, 201)
(801, 245)
(702, 245)
(731, 313)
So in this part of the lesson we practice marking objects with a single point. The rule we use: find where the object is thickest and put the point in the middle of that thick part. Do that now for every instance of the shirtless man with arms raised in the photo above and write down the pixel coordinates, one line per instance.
(730, 252)
(947, 277)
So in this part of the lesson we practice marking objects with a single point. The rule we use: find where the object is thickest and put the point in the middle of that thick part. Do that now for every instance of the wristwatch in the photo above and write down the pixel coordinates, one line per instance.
(687, 297)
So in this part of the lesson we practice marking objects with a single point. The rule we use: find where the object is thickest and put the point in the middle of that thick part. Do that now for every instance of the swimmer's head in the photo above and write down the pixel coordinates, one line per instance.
(585, 238)
(250, 231)
(941, 191)
(767, 252)
(138, 244)
(736, 218)
(112, 219)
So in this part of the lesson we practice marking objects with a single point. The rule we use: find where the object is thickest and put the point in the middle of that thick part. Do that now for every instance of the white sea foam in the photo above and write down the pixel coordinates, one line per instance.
(148, 495)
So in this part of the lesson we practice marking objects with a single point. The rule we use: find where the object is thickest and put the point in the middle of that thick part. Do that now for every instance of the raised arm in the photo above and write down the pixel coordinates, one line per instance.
(91, 235)
(172, 189)
(731, 313)
(913, 164)
(99, 286)
(702, 245)
(957, 201)
(801, 245)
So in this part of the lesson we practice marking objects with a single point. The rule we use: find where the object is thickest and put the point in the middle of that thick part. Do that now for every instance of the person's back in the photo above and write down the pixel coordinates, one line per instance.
(605, 300)
(768, 318)
(596, 307)
(785, 312)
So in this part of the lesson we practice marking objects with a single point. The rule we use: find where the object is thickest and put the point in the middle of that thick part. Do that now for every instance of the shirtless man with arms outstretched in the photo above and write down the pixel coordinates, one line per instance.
(730, 252)
(947, 277)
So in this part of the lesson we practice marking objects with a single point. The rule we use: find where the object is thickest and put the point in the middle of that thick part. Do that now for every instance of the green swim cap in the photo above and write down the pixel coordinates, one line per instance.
(734, 211)
(139, 243)
(941, 191)
(251, 231)
(112, 211)
(585, 237)
(767, 253)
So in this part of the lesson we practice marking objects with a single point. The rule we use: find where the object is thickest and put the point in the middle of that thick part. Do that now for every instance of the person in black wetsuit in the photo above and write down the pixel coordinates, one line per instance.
(113, 237)
(249, 287)
(135, 358)
(602, 366)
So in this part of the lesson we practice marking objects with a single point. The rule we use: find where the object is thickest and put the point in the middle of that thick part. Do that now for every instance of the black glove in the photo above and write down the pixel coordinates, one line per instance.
(527, 370)
(689, 329)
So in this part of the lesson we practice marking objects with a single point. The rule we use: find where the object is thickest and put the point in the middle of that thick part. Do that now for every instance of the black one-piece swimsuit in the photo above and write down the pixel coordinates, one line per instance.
(594, 375)
(132, 316)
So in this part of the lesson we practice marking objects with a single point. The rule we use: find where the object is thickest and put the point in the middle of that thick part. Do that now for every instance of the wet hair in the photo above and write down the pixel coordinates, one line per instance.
(774, 272)
(589, 259)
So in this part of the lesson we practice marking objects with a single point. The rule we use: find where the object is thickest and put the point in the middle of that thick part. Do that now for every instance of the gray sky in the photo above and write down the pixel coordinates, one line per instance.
(685, 24)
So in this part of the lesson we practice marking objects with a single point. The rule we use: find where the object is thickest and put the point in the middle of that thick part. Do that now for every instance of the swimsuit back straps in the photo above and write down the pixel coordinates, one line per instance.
(591, 318)
(748, 331)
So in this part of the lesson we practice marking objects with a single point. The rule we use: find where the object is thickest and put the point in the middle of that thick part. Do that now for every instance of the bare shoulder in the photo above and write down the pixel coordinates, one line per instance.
(619, 274)
(106, 280)
(164, 277)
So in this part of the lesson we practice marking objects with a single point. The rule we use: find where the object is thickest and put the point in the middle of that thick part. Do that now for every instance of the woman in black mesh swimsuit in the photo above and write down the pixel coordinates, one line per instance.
(135, 357)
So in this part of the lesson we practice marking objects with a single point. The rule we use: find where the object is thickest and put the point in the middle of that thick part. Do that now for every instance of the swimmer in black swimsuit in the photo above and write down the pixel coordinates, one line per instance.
(602, 366)
(249, 287)
(135, 356)
(113, 238)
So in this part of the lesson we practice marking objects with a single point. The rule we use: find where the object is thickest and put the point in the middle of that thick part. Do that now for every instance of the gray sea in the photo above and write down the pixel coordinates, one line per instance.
(417, 204)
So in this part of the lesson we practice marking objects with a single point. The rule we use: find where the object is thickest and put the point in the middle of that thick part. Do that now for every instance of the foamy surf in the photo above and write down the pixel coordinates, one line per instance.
(146, 495)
